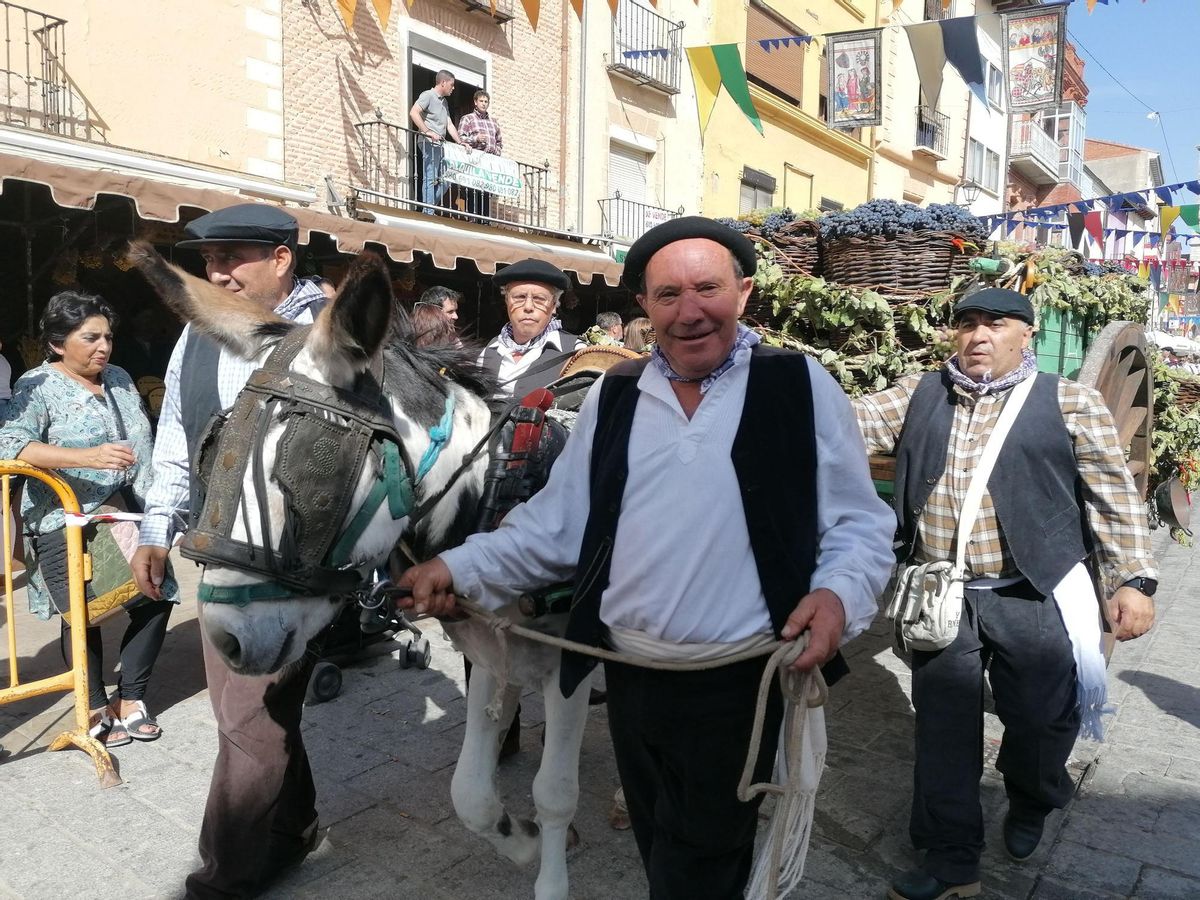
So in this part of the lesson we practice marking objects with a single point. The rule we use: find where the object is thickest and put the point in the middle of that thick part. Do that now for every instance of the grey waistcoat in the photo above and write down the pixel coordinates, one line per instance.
(1035, 487)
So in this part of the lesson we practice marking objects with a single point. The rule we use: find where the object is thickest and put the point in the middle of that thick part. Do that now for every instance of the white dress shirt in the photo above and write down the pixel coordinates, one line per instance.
(512, 369)
(167, 500)
(682, 568)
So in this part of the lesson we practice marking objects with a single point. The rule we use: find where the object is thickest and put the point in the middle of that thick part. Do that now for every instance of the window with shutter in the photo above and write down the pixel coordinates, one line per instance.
(627, 172)
(781, 70)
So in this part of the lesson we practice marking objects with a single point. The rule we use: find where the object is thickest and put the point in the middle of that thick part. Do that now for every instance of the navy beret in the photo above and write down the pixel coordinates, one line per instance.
(245, 223)
(998, 302)
(682, 229)
(533, 270)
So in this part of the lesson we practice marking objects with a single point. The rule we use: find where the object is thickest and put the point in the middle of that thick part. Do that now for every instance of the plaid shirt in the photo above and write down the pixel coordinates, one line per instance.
(482, 132)
(1111, 503)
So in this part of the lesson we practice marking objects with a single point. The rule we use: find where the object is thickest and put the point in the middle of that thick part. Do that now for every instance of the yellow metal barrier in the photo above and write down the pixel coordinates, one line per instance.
(76, 678)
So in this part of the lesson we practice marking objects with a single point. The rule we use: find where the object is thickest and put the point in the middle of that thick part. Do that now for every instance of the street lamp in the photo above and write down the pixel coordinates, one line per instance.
(970, 192)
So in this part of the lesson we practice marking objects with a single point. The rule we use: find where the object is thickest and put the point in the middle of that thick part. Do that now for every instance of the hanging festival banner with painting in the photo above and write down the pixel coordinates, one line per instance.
(1033, 59)
(854, 99)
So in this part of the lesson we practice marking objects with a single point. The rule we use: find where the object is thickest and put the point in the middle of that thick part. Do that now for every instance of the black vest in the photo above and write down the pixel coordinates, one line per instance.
(541, 372)
(1035, 486)
(775, 457)
(199, 398)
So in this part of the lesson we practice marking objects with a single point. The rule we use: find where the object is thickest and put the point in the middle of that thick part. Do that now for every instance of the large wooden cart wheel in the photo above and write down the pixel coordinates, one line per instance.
(1118, 364)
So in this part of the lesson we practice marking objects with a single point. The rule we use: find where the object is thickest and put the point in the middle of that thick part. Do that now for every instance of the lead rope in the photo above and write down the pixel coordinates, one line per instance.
(779, 862)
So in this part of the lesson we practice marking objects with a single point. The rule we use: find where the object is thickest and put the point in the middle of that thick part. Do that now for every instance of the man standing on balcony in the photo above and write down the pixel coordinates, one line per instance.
(482, 132)
(431, 116)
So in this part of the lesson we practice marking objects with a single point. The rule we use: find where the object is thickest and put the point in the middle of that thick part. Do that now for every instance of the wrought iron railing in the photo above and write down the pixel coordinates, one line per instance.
(391, 173)
(646, 47)
(628, 220)
(938, 9)
(1030, 139)
(37, 93)
(500, 10)
(932, 128)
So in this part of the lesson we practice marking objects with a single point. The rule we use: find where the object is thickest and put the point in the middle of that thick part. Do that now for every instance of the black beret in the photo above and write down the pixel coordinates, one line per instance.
(682, 229)
(533, 270)
(998, 302)
(245, 223)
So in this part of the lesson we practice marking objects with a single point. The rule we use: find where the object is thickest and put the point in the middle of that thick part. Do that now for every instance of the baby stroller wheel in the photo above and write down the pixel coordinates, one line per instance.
(324, 684)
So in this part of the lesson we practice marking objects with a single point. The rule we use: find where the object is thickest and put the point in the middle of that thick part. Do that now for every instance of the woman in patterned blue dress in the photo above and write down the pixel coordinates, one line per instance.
(84, 418)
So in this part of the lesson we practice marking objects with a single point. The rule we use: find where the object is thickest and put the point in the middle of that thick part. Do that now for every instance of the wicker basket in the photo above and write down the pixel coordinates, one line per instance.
(1189, 394)
(920, 262)
(797, 247)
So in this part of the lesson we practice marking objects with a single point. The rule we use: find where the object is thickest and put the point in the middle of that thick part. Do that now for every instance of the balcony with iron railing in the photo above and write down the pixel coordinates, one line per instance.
(391, 171)
(646, 47)
(500, 10)
(1034, 154)
(38, 94)
(627, 220)
(938, 9)
(932, 132)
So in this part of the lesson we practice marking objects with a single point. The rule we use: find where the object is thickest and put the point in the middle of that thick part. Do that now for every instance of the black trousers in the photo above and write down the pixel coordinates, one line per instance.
(680, 741)
(1019, 636)
(261, 797)
(139, 651)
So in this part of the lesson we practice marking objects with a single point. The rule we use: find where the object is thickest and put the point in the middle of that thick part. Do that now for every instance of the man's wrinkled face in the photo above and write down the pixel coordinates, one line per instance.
(256, 271)
(694, 299)
(450, 308)
(990, 346)
(531, 306)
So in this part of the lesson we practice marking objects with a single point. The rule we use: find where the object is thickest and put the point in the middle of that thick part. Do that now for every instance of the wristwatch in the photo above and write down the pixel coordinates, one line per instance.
(1146, 585)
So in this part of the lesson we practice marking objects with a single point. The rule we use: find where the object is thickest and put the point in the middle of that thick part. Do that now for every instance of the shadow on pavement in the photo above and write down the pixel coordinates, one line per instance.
(1174, 698)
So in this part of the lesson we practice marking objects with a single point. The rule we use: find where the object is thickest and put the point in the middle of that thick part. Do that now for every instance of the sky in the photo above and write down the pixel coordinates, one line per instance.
(1150, 46)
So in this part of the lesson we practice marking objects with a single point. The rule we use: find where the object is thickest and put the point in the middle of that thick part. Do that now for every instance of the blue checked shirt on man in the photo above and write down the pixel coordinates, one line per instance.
(167, 500)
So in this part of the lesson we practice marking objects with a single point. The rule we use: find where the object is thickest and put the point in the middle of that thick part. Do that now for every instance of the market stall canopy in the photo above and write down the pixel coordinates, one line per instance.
(77, 186)
(1165, 341)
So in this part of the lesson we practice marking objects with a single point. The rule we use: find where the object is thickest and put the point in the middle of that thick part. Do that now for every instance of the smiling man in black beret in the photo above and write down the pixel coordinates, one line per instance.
(747, 514)
(531, 348)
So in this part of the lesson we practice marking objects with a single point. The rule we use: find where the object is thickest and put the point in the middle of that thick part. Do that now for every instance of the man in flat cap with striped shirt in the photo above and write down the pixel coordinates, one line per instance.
(746, 514)
(260, 816)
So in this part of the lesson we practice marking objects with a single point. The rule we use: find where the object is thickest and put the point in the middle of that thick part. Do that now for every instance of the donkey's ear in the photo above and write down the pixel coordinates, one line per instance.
(356, 324)
(240, 325)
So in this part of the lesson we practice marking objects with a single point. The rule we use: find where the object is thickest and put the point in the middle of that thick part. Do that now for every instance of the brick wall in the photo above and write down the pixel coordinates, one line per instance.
(336, 77)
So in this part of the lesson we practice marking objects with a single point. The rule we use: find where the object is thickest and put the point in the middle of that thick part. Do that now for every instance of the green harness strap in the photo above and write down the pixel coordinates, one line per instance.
(395, 486)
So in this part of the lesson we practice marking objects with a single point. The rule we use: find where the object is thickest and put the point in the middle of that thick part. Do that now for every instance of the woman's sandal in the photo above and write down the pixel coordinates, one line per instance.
(109, 731)
(140, 719)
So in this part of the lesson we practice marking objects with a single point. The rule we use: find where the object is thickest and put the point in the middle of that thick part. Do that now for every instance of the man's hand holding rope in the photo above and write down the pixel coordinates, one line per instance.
(820, 614)
(432, 588)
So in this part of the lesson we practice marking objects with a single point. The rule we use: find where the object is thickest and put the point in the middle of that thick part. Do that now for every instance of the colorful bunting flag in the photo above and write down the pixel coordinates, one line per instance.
(643, 54)
(769, 44)
(1190, 214)
(1075, 223)
(1164, 194)
(1091, 221)
(383, 9)
(716, 65)
(1167, 215)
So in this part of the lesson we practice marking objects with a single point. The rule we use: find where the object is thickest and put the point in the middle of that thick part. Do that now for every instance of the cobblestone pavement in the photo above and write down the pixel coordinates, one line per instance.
(384, 750)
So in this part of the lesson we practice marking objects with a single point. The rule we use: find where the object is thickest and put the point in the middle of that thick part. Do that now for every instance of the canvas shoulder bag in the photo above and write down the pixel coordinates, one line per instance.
(926, 605)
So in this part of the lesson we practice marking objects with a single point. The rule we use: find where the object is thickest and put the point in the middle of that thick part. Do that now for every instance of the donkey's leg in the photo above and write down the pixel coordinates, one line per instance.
(556, 787)
(473, 788)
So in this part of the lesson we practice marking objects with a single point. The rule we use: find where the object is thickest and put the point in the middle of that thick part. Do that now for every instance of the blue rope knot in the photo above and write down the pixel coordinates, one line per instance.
(439, 436)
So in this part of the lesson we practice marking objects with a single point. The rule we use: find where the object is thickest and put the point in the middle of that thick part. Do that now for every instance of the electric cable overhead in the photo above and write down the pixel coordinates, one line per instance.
(1154, 113)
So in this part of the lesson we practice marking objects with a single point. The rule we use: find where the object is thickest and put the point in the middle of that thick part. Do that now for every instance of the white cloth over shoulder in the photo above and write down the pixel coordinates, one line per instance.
(1080, 611)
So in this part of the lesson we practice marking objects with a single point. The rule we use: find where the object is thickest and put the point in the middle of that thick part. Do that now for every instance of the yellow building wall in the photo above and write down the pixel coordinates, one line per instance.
(196, 82)
(808, 160)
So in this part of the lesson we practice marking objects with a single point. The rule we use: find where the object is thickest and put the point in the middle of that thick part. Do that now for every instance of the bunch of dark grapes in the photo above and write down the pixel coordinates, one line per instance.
(776, 221)
(1109, 267)
(889, 218)
(1090, 268)
(736, 224)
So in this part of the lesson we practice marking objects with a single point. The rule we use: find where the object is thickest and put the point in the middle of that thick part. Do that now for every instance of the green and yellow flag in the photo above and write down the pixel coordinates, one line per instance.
(716, 65)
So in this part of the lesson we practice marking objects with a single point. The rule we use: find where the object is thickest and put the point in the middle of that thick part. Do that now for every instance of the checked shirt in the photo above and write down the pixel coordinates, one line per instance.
(1111, 503)
(482, 133)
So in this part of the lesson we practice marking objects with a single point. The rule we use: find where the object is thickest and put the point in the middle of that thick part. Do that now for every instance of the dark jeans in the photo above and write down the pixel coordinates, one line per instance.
(1019, 637)
(680, 741)
(262, 797)
(139, 651)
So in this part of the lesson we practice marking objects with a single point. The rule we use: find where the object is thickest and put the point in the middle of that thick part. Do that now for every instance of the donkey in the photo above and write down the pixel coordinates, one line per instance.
(431, 397)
